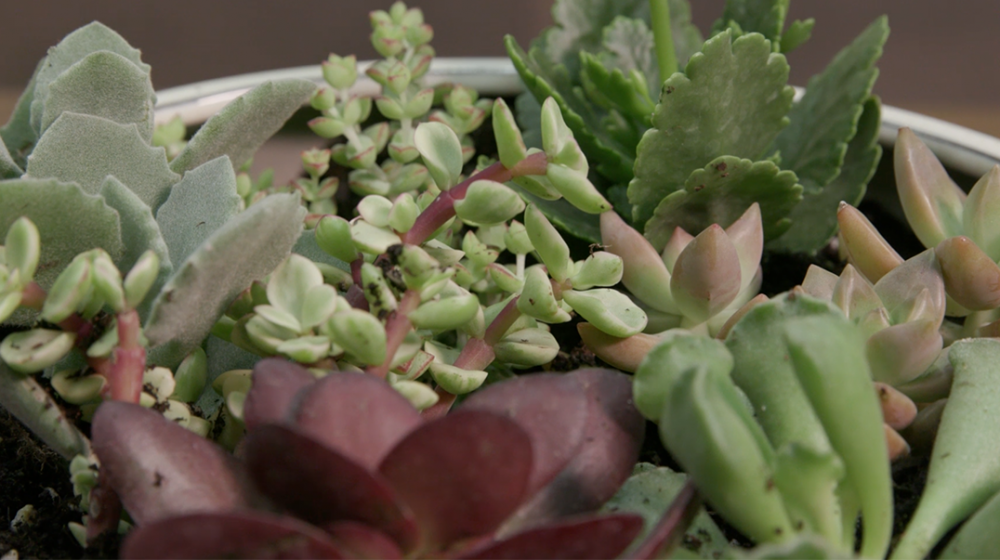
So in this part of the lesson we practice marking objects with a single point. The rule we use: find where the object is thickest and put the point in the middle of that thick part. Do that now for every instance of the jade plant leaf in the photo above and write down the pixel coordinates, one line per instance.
(17, 134)
(814, 220)
(721, 192)
(731, 100)
(73, 48)
(766, 17)
(649, 492)
(243, 126)
(826, 118)
(47, 203)
(204, 285)
(140, 233)
(9, 169)
(199, 204)
(104, 84)
(86, 149)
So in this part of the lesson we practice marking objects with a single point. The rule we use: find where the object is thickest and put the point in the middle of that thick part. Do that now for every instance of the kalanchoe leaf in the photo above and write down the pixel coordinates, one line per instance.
(8, 168)
(766, 18)
(337, 412)
(798, 32)
(682, 141)
(933, 203)
(241, 127)
(866, 249)
(230, 534)
(609, 310)
(35, 350)
(971, 277)
(438, 466)
(487, 203)
(548, 243)
(441, 153)
(160, 469)
(645, 274)
(706, 275)
(597, 536)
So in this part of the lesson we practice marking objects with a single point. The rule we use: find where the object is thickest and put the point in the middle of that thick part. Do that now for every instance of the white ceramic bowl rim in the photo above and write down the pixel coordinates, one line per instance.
(958, 147)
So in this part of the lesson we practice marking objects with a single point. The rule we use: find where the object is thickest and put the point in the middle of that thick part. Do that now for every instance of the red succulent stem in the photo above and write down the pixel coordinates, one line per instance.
(396, 328)
(129, 360)
(443, 207)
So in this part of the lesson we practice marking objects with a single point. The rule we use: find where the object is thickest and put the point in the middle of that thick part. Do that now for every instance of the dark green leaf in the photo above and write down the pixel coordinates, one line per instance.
(731, 100)
(629, 45)
(825, 119)
(798, 33)
(766, 17)
(565, 216)
(720, 193)
(243, 126)
(529, 119)
(579, 27)
(612, 89)
(814, 220)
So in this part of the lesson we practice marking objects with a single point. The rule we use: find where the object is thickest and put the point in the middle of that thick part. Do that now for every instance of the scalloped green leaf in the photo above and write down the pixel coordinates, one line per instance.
(246, 248)
(103, 84)
(243, 126)
(814, 220)
(8, 168)
(69, 221)
(140, 233)
(17, 134)
(85, 149)
(766, 17)
(649, 492)
(197, 206)
(721, 192)
(579, 26)
(826, 118)
(610, 78)
(731, 100)
(73, 48)
(629, 44)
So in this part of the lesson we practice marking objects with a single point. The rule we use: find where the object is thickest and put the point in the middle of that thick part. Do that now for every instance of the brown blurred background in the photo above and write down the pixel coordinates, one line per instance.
(941, 58)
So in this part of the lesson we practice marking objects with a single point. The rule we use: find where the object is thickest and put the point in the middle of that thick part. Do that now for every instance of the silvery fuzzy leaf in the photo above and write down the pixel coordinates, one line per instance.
(17, 134)
(8, 168)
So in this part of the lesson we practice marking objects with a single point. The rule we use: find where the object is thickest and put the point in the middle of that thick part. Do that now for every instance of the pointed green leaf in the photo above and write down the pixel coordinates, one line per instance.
(609, 310)
(766, 17)
(199, 204)
(798, 32)
(720, 193)
(243, 126)
(222, 267)
(814, 220)
(103, 84)
(826, 118)
(86, 149)
(27, 401)
(731, 100)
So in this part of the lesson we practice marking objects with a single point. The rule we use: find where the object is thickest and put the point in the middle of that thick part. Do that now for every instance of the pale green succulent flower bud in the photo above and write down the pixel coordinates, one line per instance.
(477, 251)
(419, 394)
(517, 240)
(327, 127)
(77, 389)
(419, 104)
(340, 72)
(557, 139)
(380, 297)
(419, 34)
(22, 249)
(600, 269)
(107, 281)
(932, 202)
(375, 209)
(388, 40)
(609, 310)
(191, 377)
(537, 299)
(333, 235)
(401, 16)
(446, 313)
(706, 276)
(361, 334)
(71, 290)
(527, 348)
(457, 381)
(391, 74)
(576, 188)
(441, 152)
(548, 243)
(488, 202)
(316, 162)
(323, 99)
(358, 155)
(644, 274)
(402, 147)
(510, 144)
(372, 239)
(390, 108)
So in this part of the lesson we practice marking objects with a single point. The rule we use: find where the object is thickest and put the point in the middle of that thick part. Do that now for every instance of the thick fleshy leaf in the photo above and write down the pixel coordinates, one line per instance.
(104, 84)
(981, 207)
(358, 415)
(706, 275)
(689, 129)
(971, 277)
(205, 284)
(612, 436)
(933, 203)
(321, 485)
(551, 408)
(86, 149)
(597, 536)
(161, 469)
(462, 475)
(243, 126)
(609, 310)
(622, 353)
(645, 274)
(274, 386)
(26, 400)
(362, 541)
(900, 290)
(721, 192)
(866, 249)
(230, 535)
(441, 152)
(197, 206)
(900, 353)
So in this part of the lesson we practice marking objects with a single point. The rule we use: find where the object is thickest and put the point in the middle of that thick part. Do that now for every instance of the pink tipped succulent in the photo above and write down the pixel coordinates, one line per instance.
(346, 467)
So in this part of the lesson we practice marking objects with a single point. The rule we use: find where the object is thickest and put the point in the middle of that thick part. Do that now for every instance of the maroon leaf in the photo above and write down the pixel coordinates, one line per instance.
(361, 541)
(104, 513)
(596, 537)
(160, 469)
(230, 534)
(321, 485)
(358, 415)
(462, 474)
(612, 438)
(274, 385)
(552, 408)
(669, 530)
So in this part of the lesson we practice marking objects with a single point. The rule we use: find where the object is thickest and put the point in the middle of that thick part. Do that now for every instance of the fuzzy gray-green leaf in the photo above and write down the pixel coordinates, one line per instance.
(86, 149)
(731, 100)
(8, 167)
(197, 206)
(243, 126)
(17, 134)
(245, 249)
(826, 118)
(720, 193)
(814, 220)
(103, 84)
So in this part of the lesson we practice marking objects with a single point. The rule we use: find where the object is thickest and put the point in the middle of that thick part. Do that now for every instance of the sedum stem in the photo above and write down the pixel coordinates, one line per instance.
(396, 328)
(129, 364)
(666, 59)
